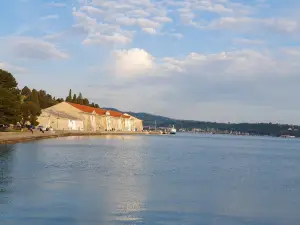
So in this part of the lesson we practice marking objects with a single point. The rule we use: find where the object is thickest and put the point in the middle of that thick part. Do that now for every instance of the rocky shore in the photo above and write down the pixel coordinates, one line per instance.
(16, 137)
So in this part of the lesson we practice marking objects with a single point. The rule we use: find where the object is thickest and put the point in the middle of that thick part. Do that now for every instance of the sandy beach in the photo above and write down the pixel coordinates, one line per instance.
(16, 137)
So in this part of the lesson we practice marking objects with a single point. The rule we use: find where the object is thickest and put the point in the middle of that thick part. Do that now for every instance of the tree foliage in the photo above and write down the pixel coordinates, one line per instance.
(25, 105)
(80, 99)
(10, 99)
(74, 100)
(86, 101)
(9, 107)
(30, 112)
(35, 97)
(26, 91)
(69, 98)
(7, 80)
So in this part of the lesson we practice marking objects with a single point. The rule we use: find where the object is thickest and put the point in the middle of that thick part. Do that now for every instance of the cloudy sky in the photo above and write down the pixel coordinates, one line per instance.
(216, 60)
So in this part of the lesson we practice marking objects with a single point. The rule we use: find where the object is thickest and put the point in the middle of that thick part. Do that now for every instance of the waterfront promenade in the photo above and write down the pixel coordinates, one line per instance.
(15, 137)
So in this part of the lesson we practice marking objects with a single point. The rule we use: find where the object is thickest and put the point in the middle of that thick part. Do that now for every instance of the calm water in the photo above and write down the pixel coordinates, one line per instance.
(182, 179)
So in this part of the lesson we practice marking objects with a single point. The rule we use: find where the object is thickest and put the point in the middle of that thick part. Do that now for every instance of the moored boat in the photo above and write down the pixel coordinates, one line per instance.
(173, 130)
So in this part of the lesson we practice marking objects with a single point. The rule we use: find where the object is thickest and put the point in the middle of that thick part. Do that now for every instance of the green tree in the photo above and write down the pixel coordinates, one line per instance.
(35, 97)
(74, 100)
(80, 99)
(59, 100)
(93, 104)
(9, 107)
(69, 98)
(7, 80)
(86, 101)
(26, 91)
(44, 100)
(10, 99)
(97, 106)
(29, 113)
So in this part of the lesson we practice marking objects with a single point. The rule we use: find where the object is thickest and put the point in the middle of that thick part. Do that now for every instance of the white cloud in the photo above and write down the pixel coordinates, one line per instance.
(50, 17)
(28, 47)
(149, 30)
(283, 25)
(99, 32)
(115, 38)
(240, 85)
(133, 62)
(163, 19)
(224, 65)
(239, 65)
(92, 10)
(141, 22)
(117, 21)
(122, 18)
(280, 25)
(12, 68)
(187, 16)
(245, 23)
(295, 52)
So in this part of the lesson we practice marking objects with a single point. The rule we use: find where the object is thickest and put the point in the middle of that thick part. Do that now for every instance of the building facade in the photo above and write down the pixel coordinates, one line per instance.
(71, 116)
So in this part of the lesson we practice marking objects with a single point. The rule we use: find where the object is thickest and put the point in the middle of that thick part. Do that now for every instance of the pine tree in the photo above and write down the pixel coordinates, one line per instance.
(69, 98)
(74, 100)
(86, 101)
(10, 99)
(30, 112)
(9, 107)
(26, 91)
(35, 97)
(43, 99)
(59, 100)
(7, 80)
(80, 99)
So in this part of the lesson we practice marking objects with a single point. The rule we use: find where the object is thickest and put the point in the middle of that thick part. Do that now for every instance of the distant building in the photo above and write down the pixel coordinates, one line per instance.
(70, 116)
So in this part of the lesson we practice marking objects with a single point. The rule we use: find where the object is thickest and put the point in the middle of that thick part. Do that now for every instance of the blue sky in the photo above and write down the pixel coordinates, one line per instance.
(216, 60)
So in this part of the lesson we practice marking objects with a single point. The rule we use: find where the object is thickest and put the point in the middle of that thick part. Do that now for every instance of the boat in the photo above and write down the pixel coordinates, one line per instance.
(173, 130)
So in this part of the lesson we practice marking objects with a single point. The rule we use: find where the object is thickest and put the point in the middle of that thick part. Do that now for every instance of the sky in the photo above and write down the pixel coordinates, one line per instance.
(208, 60)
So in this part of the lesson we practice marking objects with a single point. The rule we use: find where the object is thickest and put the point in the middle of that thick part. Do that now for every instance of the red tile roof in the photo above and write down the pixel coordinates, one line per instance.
(99, 111)
(115, 113)
(83, 108)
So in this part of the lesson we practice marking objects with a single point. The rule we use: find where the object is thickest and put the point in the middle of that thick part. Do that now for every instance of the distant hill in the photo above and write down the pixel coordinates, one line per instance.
(108, 108)
(270, 129)
(148, 119)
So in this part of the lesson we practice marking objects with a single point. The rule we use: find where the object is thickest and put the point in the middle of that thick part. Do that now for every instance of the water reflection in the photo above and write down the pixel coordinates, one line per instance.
(150, 180)
(6, 178)
(127, 190)
(107, 137)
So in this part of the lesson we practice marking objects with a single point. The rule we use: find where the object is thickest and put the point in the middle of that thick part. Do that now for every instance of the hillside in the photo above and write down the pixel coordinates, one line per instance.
(251, 128)
(149, 119)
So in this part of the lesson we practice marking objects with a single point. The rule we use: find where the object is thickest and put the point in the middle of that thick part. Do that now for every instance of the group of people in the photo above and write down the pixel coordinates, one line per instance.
(40, 128)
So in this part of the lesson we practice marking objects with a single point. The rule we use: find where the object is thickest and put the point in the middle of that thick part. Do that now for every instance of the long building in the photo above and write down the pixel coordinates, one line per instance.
(70, 116)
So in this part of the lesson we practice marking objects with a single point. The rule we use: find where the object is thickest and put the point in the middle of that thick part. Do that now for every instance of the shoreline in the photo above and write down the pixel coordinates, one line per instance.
(19, 137)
